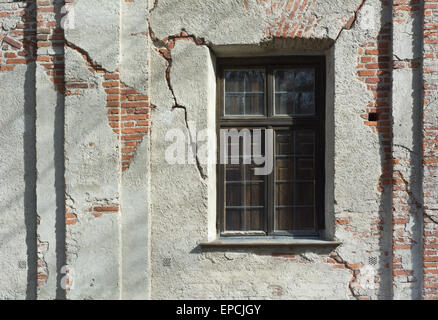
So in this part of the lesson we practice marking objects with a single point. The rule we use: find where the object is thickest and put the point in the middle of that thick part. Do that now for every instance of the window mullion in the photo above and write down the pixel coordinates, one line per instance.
(269, 91)
(270, 194)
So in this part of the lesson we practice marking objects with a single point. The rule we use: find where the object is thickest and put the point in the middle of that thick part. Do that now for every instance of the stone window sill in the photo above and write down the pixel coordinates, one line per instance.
(242, 242)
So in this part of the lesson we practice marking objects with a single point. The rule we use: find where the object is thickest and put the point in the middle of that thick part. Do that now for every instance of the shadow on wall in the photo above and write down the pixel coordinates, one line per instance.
(60, 226)
(416, 155)
(396, 195)
(29, 152)
(383, 116)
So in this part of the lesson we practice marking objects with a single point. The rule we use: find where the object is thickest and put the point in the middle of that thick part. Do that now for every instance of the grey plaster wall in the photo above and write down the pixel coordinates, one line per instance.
(408, 146)
(17, 192)
(135, 182)
(109, 254)
(59, 154)
(91, 156)
(181, 204)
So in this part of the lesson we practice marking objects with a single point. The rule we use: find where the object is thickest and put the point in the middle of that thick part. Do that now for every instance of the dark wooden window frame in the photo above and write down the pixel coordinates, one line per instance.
(315, 122)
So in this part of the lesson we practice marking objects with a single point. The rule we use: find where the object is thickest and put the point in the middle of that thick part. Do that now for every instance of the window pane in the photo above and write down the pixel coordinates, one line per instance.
(305, 142)
(284, 219)
(294, 92)
(244, 92)
(244, 192)
(254, 220)
(294, 187)
(304, 168)
(234, 219)
(305, 218)
(304, 193)
(254, 194)
(234, 197)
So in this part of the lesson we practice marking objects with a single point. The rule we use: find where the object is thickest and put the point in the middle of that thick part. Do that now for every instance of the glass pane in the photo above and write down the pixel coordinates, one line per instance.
(244, 190)
(285, 102)
(304, 193)
(305, 218)
(304, 169)
(294, 181)
(254, 220)
(294, 92)
(283, 194)
(233, 173)
(305, 142)
(234, 219)
(284, 169)
(244, 92)
(255, 194)
(234, 195)
(234, 103)
(284, 219)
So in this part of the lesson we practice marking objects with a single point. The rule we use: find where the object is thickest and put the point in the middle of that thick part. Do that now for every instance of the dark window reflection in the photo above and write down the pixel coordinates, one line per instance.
(244, 193)
(294, 92)
(294, 180)
(244, 92)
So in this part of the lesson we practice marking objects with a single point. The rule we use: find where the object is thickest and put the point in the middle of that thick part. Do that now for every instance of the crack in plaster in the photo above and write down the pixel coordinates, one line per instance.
(397, 58)
(125, 91)
(406, 148)
(352, 21)
(410, 193)
(417, 203)
(86, 56)
(354, 271)
(154, 5)
(164, 48)
(432, 218)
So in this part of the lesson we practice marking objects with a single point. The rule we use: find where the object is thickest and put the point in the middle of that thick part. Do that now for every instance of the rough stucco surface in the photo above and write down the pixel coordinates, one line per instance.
(135, 182)
(95, 110)
(196, 274)
(91, 180)
(46, 104)
(97, 34)
(16, 119)
(255, 21)
(91, 171)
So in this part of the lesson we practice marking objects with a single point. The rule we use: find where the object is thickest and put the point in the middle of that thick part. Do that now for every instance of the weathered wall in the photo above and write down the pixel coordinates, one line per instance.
(107, 155)
(406, 153)
(17, 151)
(90, 208)
(180, 268)
(430, 134)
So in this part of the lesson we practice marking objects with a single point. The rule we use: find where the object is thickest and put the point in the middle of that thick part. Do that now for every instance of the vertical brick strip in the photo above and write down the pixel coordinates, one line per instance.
(430, 150)
(17, 44)
(50, 42)
(374, 71)
(407, 203)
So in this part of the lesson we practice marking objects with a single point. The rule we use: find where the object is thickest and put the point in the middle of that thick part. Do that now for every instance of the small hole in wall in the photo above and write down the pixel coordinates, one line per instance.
(167, 262)
(372, 116)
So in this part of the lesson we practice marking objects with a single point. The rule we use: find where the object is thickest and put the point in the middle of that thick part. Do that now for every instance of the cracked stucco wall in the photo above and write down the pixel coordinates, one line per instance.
(115, 91)
(18, 220)
(188, 49)
(89, 197)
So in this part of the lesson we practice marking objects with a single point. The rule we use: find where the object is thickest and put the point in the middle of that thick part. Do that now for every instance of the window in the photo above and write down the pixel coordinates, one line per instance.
(285, 95)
